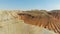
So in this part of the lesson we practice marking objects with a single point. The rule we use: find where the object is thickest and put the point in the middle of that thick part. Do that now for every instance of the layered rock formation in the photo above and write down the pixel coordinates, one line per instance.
(11, 23)
(47, 19)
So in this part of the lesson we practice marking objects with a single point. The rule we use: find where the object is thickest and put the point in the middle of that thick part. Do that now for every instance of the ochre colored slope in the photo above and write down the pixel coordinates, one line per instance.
(49, 20)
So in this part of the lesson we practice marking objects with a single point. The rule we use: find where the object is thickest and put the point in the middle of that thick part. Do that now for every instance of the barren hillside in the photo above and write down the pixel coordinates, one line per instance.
(10, 23)
(47, 19)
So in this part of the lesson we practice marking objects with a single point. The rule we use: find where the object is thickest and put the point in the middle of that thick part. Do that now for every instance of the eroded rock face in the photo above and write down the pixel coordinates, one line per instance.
(56, 14)
(49, 20)
(10, 23)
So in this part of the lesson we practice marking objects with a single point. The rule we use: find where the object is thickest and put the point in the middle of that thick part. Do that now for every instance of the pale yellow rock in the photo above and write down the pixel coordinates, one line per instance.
(10, 25)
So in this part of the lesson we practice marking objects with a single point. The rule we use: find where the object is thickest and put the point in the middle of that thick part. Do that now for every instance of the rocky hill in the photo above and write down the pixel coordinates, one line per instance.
(11, 23)
(47, 19)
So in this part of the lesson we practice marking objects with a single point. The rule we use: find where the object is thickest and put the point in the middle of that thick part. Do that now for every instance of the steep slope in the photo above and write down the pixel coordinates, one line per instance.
(11, 24)
(42, 18)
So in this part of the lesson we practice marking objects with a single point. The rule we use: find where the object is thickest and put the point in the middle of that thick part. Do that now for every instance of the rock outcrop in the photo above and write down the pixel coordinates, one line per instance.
(47, 19)
(10, 23)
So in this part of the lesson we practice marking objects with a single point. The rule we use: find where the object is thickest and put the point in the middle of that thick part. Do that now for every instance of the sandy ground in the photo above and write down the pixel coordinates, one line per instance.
(10, 25)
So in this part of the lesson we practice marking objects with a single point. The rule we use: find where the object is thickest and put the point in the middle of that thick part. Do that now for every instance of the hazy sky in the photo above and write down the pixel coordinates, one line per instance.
(30, 4)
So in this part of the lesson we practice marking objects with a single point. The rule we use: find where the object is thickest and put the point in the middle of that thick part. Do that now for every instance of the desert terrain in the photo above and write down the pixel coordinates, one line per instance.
(15, 22)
